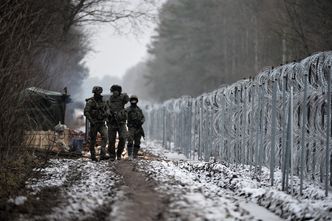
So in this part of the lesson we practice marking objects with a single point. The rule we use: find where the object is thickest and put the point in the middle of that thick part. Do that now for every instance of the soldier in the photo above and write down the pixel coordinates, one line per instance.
(116, 121)
(135, 129)
(95, 112)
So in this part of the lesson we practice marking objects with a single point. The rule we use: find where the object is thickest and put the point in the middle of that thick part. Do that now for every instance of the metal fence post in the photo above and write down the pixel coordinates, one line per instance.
(261, 135)
(273, 131)
(304, 122)
(200, 134)
(284, 135)
(258, 129)
(328, 132)
(291, 138)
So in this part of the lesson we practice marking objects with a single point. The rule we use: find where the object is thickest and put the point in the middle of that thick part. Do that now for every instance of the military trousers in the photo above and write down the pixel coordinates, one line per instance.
(94, 129)
(113, 130)
(134, 140)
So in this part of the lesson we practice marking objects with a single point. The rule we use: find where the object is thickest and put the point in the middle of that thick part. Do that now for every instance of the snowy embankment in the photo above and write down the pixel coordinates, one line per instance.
(214, 179)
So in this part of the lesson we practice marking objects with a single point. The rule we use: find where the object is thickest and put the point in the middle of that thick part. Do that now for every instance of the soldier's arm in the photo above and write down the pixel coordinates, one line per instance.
(125, 98)
(87, 111)
(142, 118)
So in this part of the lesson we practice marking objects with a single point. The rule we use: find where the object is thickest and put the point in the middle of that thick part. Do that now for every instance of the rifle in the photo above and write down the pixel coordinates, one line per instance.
(113, 116)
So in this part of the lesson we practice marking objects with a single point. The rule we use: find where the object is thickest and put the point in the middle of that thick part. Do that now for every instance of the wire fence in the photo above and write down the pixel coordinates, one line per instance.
(279, 119)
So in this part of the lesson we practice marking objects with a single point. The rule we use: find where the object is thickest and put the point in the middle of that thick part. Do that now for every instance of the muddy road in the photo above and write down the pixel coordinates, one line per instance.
(150, 188)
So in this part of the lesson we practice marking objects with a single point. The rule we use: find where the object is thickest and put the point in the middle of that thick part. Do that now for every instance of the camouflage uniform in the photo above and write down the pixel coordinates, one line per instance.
(95, 112)
(135, 130)
(116, 123)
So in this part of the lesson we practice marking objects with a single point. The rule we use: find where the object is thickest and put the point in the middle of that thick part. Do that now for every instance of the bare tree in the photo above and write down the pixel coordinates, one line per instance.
(42, 44)
(115, 12)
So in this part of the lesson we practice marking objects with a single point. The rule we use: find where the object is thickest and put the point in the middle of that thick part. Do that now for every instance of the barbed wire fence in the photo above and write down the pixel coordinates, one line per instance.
(279, 119)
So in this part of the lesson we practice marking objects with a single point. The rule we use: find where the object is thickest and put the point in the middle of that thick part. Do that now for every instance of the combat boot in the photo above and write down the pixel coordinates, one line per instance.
(119, 152)
(130, 150)
(111, 152)
(112, 157)
(118, 157)
(93, 154)
(136, 148)
(103, 156)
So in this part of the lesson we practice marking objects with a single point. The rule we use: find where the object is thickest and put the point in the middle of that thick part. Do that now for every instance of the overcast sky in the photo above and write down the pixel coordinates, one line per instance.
(112, 54)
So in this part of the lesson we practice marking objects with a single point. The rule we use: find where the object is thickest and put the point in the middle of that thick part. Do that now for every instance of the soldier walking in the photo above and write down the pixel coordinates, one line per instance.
(135, 129)
(116, 121)
(95, 112)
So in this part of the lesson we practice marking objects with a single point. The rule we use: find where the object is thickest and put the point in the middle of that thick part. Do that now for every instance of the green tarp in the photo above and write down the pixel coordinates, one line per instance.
(44, 108)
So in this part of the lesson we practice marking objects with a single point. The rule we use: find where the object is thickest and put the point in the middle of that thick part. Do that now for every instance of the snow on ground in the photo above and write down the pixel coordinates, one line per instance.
(216, 178)
(196, 198)
(18, 201)
(54, 175)
(194, 190)
(85, 188)
(156, 149)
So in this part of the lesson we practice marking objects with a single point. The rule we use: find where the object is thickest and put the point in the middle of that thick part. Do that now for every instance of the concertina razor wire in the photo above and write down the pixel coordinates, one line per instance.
(279, 119)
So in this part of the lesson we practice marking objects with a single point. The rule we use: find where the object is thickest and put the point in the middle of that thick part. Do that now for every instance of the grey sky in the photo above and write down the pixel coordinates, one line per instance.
(113, 54)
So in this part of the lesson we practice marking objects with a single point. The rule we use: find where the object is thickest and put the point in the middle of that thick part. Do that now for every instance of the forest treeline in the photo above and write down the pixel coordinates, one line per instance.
(201, 45)
(33, 36)
(42, 44)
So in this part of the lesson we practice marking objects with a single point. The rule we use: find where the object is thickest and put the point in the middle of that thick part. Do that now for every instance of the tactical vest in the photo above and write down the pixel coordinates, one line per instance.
(135, 116)
(97, 109)
(116, 107)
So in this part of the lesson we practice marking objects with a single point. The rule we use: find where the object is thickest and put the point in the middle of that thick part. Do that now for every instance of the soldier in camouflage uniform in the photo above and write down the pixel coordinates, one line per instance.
(95, 112)
(116, 121)
(135, 129)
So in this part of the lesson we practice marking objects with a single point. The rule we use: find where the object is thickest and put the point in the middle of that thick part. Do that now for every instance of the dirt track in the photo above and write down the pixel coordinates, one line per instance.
(84, 190)
(141, 199)
(147, 189)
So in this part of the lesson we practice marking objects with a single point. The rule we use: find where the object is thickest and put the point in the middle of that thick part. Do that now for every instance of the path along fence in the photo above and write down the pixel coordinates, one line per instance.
(279, 119)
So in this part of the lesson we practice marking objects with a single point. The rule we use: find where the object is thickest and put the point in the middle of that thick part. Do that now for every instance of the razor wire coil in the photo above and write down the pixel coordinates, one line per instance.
(243, 123)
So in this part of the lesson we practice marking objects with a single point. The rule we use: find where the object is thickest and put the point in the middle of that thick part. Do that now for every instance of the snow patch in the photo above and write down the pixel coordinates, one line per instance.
(241, 181)
(194, 198)
(85, 186)
(18, 201)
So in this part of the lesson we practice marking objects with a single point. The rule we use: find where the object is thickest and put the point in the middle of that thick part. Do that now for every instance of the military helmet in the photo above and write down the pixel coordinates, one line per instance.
(97, 89)
(133, 97)
(116, 87)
